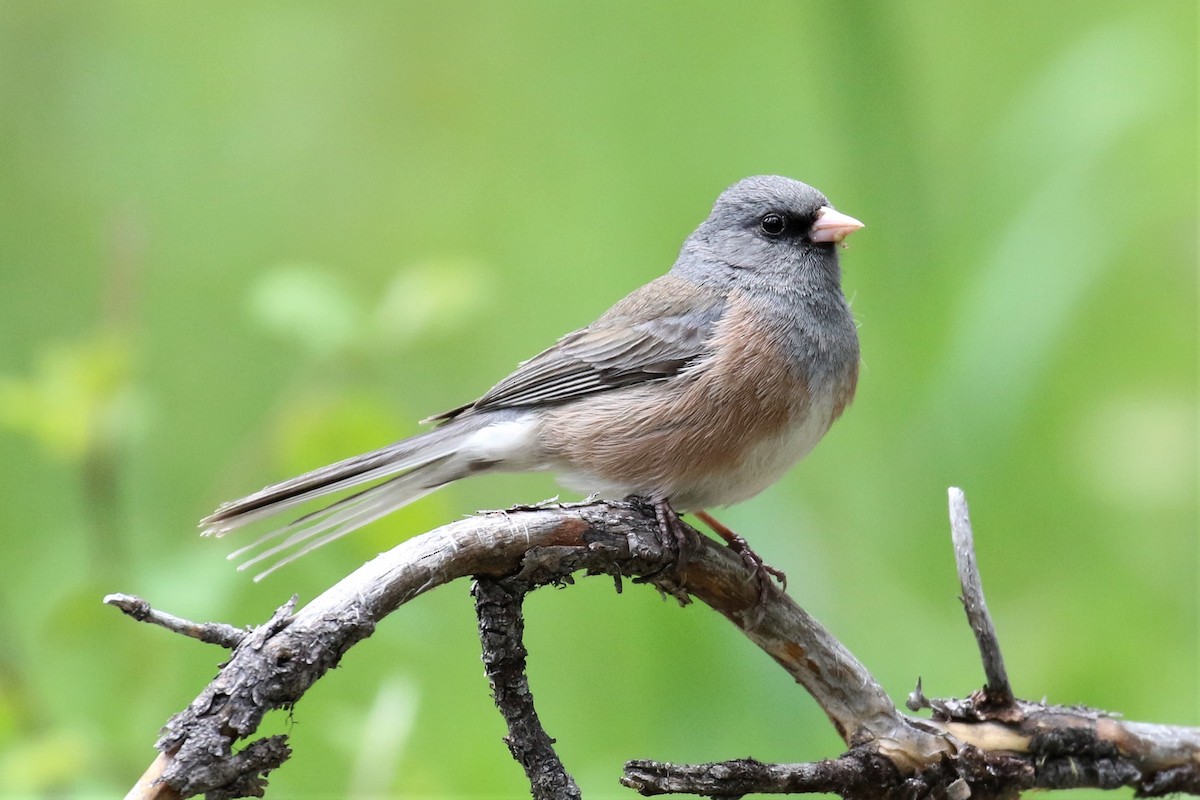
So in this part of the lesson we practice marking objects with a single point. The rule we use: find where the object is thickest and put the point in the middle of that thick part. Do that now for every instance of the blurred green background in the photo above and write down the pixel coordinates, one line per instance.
(242, 240)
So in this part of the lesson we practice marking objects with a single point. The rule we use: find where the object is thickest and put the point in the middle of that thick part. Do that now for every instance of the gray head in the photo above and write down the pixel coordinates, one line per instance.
(767, 227)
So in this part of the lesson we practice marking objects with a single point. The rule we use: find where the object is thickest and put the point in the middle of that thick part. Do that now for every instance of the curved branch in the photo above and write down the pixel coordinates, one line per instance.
(971, 748)
(277, 662)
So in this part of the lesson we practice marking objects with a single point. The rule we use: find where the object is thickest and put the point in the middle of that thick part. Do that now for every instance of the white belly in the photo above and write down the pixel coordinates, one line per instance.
(763, 465)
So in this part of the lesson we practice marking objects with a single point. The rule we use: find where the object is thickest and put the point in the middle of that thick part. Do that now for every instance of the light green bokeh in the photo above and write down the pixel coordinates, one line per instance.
(240, 240)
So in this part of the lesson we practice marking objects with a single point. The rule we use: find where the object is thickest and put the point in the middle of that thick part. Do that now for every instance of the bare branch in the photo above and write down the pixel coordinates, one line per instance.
(226, 636)
(1051, 748)
(150, 786)
(1074, 747)
(858, 772)
(973, 747)
(277, 662)
(502, 632)
(997, 690)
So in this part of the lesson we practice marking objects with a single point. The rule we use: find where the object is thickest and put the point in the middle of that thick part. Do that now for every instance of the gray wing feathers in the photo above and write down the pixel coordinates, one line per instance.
(604, 356)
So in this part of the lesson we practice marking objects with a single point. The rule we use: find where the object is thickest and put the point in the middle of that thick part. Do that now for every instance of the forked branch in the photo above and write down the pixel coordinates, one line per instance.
(984, 746)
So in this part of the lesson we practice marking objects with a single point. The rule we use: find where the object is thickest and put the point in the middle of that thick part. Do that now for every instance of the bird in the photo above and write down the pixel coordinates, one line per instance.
(697, 390)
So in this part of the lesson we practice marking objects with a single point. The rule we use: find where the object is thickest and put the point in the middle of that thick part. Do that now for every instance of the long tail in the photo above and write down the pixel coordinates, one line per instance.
(426, 462)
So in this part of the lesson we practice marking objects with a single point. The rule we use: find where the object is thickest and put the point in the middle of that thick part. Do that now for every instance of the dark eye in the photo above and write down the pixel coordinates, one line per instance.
(772, 224)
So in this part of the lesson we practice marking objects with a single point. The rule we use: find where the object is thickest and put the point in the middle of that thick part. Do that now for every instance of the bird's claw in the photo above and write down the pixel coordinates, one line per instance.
(764, 570)
(674, 533)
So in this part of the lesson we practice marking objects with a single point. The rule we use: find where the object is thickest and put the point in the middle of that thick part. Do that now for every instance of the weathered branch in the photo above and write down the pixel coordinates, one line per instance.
(1049, 747)
(502, 633)
(219, 633)
(858, 771)
(279, 661)
(971, 747)
(997, 690)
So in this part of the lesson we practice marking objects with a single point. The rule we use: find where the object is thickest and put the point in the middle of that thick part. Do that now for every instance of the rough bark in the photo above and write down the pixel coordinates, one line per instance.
(988, 745)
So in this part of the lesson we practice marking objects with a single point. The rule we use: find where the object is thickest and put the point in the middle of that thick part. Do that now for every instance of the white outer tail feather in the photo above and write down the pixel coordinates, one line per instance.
(428, 461)
(322, 527)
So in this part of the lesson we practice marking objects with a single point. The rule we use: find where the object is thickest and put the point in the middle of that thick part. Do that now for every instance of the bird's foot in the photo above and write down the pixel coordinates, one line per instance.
(673, 532)
(740, 546)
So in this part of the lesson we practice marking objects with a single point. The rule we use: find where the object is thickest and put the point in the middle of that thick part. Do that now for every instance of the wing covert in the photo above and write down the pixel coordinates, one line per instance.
(614, 351)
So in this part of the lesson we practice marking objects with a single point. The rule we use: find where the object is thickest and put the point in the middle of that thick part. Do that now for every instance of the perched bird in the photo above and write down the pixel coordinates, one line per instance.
(699, 389)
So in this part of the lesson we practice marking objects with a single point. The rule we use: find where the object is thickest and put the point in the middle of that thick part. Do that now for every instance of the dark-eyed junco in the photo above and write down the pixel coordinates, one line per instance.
(699, 389)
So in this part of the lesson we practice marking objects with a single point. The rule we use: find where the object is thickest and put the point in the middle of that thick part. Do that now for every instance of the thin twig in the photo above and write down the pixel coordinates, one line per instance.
(226, 636)
(998, 691)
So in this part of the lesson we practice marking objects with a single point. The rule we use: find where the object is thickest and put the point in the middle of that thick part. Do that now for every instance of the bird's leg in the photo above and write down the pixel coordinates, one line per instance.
(671, 527)
(742, 547)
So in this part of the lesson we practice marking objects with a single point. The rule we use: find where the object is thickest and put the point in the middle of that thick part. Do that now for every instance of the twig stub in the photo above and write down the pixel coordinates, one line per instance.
(218, 633)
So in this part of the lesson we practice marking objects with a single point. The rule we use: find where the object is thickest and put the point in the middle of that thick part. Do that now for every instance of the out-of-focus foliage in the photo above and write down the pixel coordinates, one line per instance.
(240, 240)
